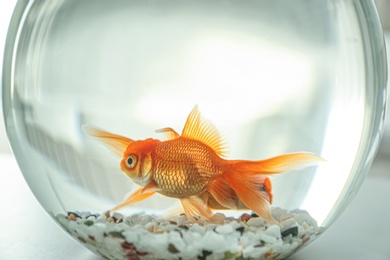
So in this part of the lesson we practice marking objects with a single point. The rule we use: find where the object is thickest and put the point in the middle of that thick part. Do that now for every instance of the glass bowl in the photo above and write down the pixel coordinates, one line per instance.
(275, 77)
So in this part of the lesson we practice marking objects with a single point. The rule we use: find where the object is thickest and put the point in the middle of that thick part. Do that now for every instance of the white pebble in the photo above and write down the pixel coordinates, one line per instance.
(255, 252)
(131, 236)
(190, 252)
(245, 240)
(274, 231)
(118, 215)
(191, 237)
(197, 229)
(277, 212)
(175, 239)
(294, 245)
(94, 232)
(112, 244)
(214, 242)
(145, 219)
(225, 229)
(219, 218)
(287, 223)
(182, 220)
(277, 247)
(63, 220)
(266, 238)
(102, 218)
(302, 230)
(255, 222)
(248, 250)
(159, 243)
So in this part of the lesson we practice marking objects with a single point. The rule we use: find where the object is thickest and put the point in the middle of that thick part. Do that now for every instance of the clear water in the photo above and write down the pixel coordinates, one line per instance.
(273, 76)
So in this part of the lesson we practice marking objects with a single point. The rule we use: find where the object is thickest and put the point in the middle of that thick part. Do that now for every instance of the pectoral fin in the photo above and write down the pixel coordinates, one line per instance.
(135, 197)
(150, 187)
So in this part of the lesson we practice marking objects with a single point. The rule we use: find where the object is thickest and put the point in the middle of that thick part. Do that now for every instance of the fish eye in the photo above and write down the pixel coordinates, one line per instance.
(131, 161)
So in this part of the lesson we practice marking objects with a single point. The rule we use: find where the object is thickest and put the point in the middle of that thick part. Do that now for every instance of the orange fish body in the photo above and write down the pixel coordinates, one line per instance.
(183, 167)
(191, 167)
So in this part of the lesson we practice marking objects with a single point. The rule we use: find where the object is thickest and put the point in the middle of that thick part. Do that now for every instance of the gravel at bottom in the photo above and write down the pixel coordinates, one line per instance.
(141, 236)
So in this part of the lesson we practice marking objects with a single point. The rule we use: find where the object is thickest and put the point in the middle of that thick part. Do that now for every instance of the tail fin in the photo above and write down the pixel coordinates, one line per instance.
(275, 165)
(249, 181)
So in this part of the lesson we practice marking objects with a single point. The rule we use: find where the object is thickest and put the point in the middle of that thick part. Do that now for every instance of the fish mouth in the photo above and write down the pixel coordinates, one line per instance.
(122, 166)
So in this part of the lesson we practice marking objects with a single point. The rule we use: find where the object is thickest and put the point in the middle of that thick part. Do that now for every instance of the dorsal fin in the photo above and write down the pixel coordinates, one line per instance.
(204, 131)
(170, 134)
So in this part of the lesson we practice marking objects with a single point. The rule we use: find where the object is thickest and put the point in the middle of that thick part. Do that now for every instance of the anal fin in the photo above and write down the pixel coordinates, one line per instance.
(223, 193)
(195, 206)
(255, 199)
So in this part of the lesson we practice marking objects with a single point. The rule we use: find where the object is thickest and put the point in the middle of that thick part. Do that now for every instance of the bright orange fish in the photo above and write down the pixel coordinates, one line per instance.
(190, 167)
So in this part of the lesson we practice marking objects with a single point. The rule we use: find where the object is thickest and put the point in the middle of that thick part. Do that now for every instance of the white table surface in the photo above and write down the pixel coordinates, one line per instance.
(27, 232)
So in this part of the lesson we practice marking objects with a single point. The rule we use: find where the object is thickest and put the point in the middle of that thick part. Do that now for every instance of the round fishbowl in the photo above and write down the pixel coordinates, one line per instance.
(194, 129)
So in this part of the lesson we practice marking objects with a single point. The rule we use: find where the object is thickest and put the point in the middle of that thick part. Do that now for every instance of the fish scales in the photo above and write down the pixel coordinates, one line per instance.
(183, 167)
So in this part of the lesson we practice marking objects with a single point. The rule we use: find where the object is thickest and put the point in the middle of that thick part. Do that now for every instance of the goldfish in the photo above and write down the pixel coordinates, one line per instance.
(193, 168)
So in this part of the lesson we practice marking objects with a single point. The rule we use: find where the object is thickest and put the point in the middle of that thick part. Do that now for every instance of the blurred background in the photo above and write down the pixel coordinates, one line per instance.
(7, 6)
(380, 171)
(381, 164)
